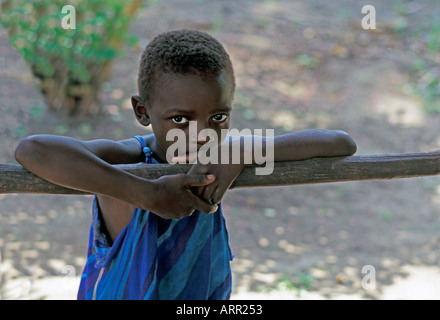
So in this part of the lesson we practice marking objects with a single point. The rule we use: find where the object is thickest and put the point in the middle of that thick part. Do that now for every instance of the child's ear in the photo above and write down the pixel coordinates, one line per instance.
(140, 110)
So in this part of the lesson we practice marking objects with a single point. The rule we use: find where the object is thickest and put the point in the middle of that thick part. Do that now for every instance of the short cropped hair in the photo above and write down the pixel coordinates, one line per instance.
(180, 52)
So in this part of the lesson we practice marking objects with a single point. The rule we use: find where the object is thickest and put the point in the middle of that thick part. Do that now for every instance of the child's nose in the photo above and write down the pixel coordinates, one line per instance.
(204, 134)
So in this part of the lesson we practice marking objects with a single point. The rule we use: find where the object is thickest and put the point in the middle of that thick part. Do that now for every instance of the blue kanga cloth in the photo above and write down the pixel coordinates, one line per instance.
(156, 258)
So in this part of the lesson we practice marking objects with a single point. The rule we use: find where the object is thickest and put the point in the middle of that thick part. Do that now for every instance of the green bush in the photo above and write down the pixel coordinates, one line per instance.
(71, 64)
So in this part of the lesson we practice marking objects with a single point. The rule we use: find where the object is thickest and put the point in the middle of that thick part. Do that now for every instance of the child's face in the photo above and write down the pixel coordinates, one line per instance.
(178, 99)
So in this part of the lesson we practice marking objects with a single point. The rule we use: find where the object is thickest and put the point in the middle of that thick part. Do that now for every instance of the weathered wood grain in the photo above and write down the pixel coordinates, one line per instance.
(16, 179)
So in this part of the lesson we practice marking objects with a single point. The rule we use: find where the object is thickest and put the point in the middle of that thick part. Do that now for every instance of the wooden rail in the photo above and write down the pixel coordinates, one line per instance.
(16, 179)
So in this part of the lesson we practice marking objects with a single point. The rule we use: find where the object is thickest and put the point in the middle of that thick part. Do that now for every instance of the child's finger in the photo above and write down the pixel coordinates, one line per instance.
(208, 193)
(204, 206)
(198, 180)
(217, 196)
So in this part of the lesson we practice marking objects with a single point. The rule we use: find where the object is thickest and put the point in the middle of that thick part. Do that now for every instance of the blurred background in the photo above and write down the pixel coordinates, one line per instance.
(299, 64)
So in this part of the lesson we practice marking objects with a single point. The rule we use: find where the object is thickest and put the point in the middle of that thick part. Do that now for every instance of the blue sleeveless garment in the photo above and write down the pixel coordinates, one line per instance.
(155, 258)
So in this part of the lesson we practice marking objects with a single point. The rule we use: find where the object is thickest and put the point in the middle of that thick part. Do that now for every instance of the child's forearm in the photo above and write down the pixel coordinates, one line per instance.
(313, 143)
(66, 162)
(292, 146)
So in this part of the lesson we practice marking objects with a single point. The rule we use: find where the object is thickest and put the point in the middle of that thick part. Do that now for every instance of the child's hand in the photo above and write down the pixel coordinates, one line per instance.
(225, 175)
(173, 198)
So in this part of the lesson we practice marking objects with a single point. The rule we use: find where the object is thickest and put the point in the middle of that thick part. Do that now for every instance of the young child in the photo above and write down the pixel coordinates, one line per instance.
(164, 238)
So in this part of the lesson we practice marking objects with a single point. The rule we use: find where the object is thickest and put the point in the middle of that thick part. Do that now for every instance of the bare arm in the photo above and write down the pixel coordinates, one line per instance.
(313, 143)
(292, 146)
(81, 165)
(87, 166)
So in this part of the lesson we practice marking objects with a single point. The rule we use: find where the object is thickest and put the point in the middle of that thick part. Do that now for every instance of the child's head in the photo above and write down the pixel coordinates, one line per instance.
(181, 52)
(184, 76)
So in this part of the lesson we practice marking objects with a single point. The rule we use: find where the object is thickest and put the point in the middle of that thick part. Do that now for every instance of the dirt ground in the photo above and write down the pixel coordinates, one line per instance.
(299, 64)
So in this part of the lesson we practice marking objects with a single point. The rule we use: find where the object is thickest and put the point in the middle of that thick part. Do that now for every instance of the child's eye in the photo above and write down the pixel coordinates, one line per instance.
(180, 120)
(219, 117)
